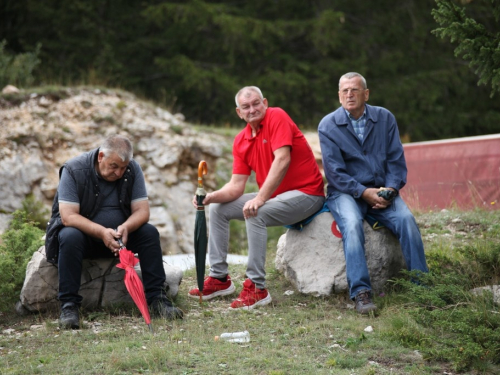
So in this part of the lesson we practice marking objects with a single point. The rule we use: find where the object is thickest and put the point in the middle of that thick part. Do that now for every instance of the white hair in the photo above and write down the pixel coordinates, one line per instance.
(251, 88)
(118, 144)
(352, 75)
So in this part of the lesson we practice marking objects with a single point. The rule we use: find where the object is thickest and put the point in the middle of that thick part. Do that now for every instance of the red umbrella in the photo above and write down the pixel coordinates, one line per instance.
(133, 282)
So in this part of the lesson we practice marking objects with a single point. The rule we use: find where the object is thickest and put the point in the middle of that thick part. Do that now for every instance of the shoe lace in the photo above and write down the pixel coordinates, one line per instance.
(69, 312)
(364, 298)
(211, 281)
(69, 308)
(247, 292)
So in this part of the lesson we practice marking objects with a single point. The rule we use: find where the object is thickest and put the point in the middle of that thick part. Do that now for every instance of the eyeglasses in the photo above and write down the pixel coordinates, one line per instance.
(353, 91)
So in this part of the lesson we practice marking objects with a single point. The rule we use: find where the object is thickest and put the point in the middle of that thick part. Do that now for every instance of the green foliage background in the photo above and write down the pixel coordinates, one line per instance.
(193, 55)
(478, 43)
(18, 244)
(17, 69)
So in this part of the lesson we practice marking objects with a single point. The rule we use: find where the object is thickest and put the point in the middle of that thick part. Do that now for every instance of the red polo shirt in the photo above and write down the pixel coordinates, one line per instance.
(256, 154)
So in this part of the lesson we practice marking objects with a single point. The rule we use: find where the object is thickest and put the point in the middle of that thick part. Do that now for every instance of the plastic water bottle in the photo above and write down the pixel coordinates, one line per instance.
(234, 336)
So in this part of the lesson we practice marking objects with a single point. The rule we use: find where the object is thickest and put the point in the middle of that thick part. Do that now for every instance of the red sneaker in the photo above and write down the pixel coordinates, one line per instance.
(251, 297)
(213, 288)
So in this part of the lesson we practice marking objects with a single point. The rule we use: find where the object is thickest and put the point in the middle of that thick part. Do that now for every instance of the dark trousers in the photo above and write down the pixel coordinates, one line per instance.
(74, 246)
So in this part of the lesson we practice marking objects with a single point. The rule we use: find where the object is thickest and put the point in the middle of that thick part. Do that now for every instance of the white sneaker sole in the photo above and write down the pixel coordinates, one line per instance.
(219, 293)
(262, 302)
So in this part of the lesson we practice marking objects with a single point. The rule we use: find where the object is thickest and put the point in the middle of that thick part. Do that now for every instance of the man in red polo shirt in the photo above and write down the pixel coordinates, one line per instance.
(290, 190)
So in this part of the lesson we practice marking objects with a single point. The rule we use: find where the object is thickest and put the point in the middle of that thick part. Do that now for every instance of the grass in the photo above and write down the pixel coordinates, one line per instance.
(417, 330)
(296, 334)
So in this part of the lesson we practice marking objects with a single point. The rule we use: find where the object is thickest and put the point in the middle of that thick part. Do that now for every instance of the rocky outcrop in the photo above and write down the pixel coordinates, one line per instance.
(494, 290)
(313, 259)
(101, 284)
(9, 89)
(40, 131)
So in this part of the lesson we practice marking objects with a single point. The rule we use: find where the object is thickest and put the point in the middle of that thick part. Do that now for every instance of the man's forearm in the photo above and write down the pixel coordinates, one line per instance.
(136, 220)
(225, 194)
(83, 224)
(229, 192)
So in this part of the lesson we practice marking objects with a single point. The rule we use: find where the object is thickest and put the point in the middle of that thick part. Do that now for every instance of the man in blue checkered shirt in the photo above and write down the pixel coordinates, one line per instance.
(362, 153)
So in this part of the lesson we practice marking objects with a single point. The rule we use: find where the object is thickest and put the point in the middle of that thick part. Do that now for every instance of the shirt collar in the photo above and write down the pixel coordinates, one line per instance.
(248, 129)
(352, 118)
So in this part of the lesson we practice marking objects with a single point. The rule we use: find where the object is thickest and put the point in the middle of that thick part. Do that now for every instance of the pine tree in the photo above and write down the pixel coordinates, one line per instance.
(478, 43)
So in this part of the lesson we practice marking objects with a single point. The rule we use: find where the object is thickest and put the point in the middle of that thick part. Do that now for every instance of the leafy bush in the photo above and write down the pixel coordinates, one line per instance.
(19, 243)
(17, 69)
(36, 211)
(482, 262)
(470, 265)
(448, 323)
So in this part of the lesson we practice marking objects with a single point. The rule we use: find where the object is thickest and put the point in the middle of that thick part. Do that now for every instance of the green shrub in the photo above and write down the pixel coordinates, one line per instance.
(177, 129)
(482, 262)
(448, 323)
(121, 105)
(17, 69)
(19, 243)
(36, 211)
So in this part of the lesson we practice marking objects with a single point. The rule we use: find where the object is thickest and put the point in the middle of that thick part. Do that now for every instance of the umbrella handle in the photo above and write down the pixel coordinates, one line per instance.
(202, 169)
(122, 246)
(121, 243)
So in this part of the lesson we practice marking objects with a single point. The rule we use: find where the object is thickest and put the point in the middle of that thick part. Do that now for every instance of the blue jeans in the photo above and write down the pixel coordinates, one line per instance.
(75, 245)
(349, 214)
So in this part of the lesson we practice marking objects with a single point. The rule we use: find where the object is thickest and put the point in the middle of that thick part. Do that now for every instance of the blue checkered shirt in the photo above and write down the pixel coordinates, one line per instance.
(358, 125)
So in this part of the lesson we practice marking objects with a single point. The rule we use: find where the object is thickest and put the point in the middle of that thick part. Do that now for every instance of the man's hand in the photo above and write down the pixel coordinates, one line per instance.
(371, 197)
(109, 237)
(387, 193)
(228, 193)
(122, 232)
(206, 200)
(251, 207)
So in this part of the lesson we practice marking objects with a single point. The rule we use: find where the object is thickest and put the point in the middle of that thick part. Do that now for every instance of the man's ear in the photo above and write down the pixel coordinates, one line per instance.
(238, 112)
(265, 102)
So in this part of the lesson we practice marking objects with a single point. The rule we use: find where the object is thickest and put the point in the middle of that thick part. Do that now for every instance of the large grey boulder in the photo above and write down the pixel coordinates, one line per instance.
(101, 284)
(313, 259)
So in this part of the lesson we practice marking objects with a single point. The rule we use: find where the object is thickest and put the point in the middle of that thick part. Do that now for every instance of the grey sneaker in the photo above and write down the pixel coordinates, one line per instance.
(163, 308)
(364, 304)
(70, 318)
